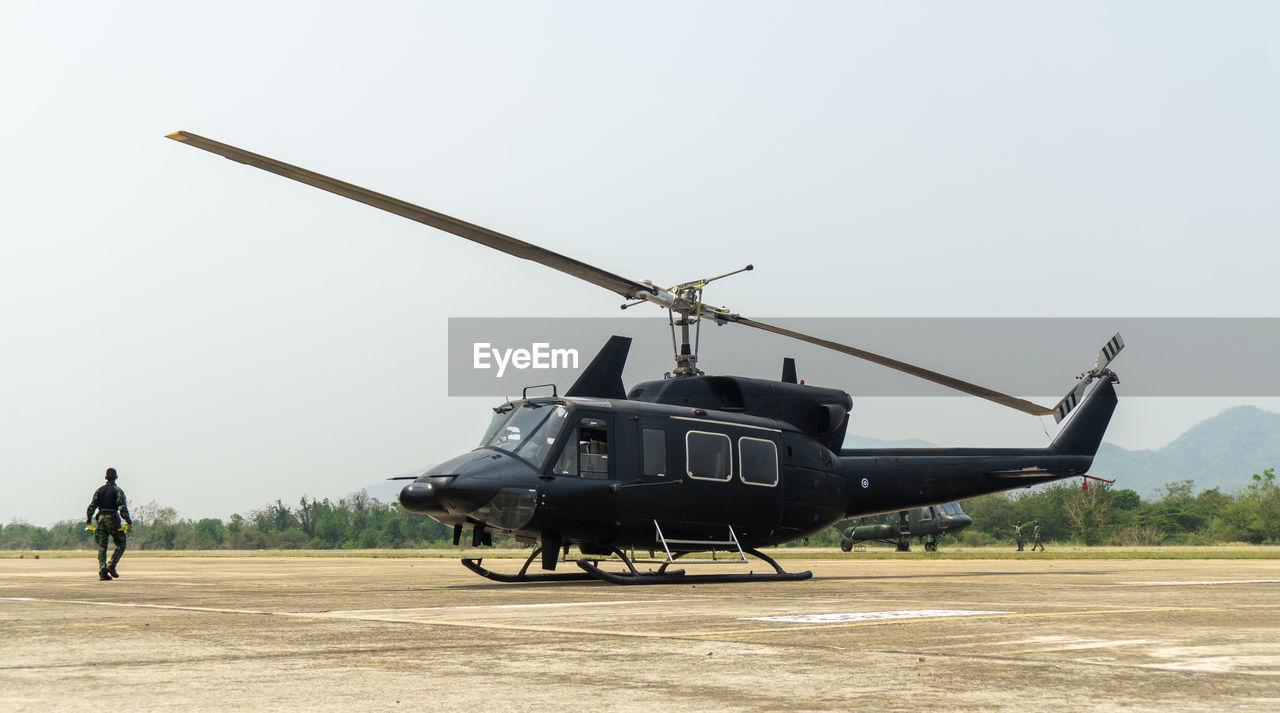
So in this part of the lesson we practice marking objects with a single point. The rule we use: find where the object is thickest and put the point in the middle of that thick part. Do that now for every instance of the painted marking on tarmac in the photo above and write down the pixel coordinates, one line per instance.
(550, 605)
(1205, 583)
(344, 617)
(844, 617)
(676, 634)
(1011, 615)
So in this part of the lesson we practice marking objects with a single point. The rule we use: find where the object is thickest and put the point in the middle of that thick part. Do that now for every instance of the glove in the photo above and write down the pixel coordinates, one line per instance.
(126, 527)
(89, 527)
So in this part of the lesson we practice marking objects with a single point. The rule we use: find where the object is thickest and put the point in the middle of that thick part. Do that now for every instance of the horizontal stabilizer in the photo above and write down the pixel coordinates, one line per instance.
(1029, 473)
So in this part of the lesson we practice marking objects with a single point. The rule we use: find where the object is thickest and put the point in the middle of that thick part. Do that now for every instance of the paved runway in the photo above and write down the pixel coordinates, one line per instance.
(361, 634)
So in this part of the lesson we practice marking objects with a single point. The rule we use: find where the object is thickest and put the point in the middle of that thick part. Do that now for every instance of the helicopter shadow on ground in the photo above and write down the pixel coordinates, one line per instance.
(484, 586)
(925, 575)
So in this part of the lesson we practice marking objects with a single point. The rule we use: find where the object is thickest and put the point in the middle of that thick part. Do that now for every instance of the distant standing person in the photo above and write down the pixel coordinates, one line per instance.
(1035, 538)
(111, 507)
(1017, 531)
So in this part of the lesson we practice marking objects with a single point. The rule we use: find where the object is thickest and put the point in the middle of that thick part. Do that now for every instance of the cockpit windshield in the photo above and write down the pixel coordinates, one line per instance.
(538, 445)
(528, 431)
(500, 416)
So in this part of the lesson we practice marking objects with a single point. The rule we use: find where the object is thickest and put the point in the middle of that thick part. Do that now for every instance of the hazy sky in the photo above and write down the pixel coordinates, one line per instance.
(225, 337)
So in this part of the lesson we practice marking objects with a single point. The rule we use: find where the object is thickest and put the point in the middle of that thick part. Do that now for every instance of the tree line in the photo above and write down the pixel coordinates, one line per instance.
(1103, 515)
(1099, 515)
(355, 522)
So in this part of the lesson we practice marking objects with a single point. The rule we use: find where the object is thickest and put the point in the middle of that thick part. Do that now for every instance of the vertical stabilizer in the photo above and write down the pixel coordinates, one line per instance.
(603, 376)
(1084, 430)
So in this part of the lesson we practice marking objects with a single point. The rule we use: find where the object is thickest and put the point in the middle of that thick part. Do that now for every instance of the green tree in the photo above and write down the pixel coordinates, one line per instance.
(1254, 516)
(209, 534)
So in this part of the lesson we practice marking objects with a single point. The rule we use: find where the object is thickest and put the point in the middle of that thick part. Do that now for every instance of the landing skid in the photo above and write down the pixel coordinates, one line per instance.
(591, 571)
(678, 576)
(473, 564)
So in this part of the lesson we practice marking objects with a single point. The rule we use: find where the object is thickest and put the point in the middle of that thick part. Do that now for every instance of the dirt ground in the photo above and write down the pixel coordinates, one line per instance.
(365, 634)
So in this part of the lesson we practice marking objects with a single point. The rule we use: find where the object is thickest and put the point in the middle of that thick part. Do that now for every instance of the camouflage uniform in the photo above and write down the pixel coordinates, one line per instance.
(112, 507)
(1017, 529)
(1035, 539)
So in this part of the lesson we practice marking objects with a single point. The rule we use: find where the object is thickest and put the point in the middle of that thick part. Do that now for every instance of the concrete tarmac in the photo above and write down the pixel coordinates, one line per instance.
(365, 634)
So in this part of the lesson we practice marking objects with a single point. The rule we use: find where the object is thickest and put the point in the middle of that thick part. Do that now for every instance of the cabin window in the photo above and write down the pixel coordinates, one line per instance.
(654, 442)
(708, 456)
(587, 455)
(758, 461)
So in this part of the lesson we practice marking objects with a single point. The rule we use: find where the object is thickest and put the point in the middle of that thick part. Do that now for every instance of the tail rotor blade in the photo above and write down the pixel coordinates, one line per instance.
(1109, 351)
(1070, 401)
(1099, 371)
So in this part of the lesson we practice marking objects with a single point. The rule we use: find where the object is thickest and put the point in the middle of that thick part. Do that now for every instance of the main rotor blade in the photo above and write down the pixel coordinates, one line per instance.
(935, 377)
(629, 289)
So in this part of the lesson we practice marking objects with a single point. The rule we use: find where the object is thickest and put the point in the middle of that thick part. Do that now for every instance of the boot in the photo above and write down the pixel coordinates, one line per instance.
(111, 570)
(102, 574)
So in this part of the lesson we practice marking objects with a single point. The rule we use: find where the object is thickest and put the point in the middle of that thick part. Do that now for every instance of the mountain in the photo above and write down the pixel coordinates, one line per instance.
(852, 441)
(1221, 452)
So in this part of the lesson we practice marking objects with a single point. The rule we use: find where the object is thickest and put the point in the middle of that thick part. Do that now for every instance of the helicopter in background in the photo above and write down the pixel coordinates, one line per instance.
(927, 523)
(695, 463)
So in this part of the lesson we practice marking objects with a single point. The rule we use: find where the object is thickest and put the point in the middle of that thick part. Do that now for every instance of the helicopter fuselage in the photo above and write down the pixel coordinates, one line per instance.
(610, 473)
(607, 473)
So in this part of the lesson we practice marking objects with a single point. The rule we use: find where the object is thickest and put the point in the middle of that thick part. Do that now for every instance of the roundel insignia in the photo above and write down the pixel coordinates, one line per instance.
(866, 483)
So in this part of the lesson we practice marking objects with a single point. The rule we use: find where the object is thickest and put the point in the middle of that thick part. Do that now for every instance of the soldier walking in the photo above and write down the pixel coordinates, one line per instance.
(1017, 531)
(111, 507)
(1035, 538)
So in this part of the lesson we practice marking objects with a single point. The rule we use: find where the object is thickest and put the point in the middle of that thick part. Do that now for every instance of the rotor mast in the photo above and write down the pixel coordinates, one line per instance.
(685, 299)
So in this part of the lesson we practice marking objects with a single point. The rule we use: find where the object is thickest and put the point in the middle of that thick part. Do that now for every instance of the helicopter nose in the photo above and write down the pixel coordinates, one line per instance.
(460, 486)
(424, 497)
(957, 522)
(447, 495)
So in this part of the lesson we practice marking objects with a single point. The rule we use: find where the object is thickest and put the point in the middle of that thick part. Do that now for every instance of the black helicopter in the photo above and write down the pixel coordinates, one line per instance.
(694, 462)
(927, 523)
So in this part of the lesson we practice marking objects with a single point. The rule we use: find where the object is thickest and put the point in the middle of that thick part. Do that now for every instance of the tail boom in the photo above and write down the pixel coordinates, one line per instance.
(893, 479)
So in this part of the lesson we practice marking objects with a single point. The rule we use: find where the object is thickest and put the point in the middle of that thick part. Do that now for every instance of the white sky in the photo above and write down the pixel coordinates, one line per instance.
(225, 337)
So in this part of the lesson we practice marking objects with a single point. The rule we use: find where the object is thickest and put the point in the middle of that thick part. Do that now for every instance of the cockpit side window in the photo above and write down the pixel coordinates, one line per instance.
(587, 453)
(654, 443)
